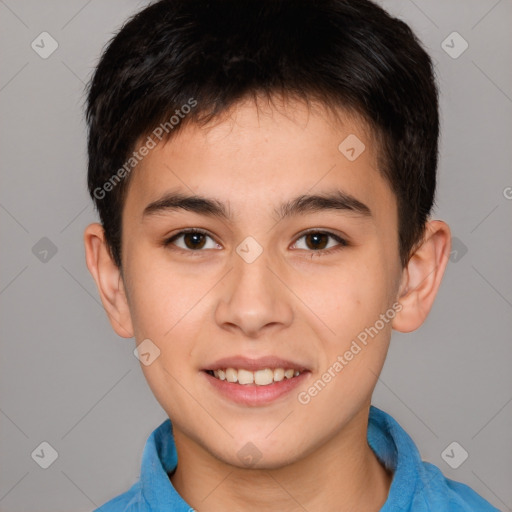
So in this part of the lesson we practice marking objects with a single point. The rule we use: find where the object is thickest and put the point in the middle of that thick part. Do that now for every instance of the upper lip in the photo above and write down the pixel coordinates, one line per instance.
(254, 364)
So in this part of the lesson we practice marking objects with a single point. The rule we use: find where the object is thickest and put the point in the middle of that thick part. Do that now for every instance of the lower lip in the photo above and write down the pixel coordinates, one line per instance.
(253, 395)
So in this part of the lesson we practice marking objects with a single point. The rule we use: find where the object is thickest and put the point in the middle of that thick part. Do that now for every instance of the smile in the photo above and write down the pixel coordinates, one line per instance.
(262, 377)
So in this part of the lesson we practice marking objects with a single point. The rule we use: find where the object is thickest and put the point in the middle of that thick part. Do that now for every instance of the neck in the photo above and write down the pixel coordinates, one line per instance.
(341, 475)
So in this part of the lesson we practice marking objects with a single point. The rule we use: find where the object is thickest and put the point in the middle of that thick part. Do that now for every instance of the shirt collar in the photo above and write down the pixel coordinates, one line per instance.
(397, 452)
(391, 444)
(159, 458)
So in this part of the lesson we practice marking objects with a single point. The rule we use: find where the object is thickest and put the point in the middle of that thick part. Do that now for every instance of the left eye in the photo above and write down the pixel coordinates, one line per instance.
(319, 241)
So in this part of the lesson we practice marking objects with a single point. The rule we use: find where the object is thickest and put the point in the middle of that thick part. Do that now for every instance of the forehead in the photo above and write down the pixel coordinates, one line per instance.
(255, 156)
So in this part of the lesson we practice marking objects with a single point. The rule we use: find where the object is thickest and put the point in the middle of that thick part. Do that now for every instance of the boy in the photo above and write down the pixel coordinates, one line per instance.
(264, 173)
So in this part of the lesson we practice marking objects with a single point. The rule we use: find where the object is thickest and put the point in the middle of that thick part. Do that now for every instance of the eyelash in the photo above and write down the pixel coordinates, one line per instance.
(321, 252)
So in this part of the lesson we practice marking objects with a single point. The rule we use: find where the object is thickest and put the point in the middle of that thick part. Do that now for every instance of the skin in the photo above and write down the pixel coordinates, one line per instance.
(201, 305)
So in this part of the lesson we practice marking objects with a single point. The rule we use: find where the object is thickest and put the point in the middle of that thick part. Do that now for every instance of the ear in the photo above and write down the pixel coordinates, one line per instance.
(108, 280)
(422, 276)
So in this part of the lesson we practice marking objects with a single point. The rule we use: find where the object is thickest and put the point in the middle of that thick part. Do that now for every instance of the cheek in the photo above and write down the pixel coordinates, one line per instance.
(347, 297)
(158, 298)
(165, 309)
(349, 301)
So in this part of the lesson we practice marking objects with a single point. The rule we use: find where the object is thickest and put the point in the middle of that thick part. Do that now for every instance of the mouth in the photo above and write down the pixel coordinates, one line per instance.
(255, 382)
(263, 377)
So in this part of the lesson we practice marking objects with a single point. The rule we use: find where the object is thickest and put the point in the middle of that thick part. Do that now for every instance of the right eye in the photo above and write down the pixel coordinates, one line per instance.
(191, 240)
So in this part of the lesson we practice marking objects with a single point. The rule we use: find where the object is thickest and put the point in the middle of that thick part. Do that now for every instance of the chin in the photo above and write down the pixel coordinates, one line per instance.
(258, 453)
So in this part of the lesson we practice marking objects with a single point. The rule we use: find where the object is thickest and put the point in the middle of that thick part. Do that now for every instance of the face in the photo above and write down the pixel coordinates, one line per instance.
(260, 281)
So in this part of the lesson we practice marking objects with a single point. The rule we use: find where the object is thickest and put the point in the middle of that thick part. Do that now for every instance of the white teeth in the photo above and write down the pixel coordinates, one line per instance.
(231, 375)
(259, 377)
(278, 374)
(245, 377)
(263, 377)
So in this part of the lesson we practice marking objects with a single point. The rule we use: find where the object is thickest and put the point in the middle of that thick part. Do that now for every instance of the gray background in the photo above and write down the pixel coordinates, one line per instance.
(67, 379)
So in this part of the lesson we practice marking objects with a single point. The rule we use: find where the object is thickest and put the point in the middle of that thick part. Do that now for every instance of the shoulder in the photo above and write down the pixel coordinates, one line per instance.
(440, 494)
(417, 485)
(130, 501)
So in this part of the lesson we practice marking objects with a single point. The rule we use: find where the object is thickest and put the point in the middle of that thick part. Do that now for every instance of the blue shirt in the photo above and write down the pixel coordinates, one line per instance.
(417, 486)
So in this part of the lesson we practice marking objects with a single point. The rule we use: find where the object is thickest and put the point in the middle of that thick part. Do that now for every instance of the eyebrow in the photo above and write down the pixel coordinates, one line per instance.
(300, 205)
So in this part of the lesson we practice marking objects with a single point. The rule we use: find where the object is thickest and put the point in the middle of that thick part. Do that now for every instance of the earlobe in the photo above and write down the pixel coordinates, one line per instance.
(422, 277)
(108, 280)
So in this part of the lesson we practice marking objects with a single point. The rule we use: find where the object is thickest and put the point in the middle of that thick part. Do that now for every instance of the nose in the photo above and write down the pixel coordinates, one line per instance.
(254, 299)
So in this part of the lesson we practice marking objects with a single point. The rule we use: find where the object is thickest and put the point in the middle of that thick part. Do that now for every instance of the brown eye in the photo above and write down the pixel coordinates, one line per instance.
(318, 241)
(192, 240)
